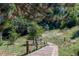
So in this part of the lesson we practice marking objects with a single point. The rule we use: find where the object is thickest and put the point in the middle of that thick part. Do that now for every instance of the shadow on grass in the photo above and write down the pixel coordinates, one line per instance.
(75, 35)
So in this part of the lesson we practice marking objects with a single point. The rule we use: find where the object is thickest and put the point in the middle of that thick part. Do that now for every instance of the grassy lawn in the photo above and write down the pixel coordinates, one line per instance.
(16, 49)
(19, 47)
(65, 47)
(53, 36)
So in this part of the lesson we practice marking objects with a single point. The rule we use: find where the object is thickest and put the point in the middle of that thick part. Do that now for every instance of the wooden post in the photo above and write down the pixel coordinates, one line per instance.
(78, 53)
(27, 47)
(36, 44)
(44, 43)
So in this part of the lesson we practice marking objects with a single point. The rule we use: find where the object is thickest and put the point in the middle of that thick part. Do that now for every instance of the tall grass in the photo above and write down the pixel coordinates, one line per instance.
(66, 48)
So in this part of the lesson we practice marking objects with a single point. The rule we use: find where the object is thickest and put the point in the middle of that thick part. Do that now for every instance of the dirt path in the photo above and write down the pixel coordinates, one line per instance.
(49, 50)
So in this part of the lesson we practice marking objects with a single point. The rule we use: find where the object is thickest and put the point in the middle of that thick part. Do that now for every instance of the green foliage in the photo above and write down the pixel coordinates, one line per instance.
(24, 18)
(20, 24)
(67, 13)
(63, 24)
(19, 21)
(8, 24)
(39, 29)
(34, 30)
(13, 35)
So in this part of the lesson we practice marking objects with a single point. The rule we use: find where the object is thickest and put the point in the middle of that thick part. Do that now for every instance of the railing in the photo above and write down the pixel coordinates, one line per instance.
(37, 46)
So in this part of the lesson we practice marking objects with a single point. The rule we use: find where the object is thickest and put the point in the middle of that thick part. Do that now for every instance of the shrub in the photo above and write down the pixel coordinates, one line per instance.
(10, 35)
(20, 25)
(13, 35)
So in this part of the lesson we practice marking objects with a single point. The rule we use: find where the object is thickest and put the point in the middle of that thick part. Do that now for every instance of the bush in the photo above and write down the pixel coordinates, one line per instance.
(10, 35)
(13, 35)
(20, 24)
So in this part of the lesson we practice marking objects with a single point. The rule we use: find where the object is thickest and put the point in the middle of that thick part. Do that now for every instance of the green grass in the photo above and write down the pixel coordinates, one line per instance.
(64, 49)
(69, 50)
(53, 36)
(17, 48)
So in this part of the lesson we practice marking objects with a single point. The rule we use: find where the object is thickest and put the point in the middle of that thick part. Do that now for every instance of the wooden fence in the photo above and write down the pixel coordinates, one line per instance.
(37, 46)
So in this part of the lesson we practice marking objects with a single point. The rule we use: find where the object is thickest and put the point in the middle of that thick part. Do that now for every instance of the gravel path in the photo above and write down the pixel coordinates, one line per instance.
(50, 50)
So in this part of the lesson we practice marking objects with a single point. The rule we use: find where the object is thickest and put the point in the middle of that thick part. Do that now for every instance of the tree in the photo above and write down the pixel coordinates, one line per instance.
(34, 31)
